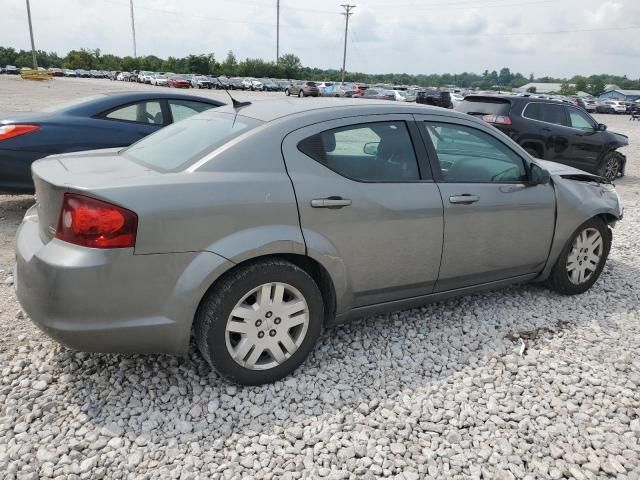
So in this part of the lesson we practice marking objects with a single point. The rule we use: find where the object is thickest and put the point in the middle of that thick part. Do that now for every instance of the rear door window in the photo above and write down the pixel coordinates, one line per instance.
(546, 112)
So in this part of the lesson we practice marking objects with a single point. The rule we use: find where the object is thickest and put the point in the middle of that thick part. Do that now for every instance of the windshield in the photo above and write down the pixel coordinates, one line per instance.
(179, 145)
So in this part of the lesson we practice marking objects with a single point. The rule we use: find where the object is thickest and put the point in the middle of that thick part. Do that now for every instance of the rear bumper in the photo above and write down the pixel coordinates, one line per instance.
(110, 300)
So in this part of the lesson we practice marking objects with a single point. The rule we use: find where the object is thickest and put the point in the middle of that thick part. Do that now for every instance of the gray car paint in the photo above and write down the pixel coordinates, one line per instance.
(239, 203)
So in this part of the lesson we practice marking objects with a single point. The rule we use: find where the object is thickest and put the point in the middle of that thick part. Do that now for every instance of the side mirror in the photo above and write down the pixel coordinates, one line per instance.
(602, 127)
(371, 148)
(538, 175)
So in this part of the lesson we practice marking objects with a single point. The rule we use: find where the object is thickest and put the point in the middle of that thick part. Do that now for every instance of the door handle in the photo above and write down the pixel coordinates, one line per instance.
(465, 199)
(330, 202)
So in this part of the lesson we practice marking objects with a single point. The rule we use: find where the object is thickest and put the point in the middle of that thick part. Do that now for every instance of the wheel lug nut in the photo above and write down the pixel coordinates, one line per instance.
(268, 314)
(272, 333)
(277, 321)
(260, 334)
(258, 323)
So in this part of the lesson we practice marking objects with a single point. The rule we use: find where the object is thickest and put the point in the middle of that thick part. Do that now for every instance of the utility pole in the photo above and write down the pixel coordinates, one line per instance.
(133, 30)
(33, 45)
(347, 13)
(277, 32)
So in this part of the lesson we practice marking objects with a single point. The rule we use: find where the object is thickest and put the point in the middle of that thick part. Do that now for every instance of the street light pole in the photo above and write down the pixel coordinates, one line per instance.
(277, 32)
(133, 30)
(347, 13)
(33, 45)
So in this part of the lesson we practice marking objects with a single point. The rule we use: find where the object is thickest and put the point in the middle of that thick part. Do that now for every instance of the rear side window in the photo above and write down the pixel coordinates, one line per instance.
(181, 144)
(546, 112)
(484, 106)
(141, 112)
(369, 152)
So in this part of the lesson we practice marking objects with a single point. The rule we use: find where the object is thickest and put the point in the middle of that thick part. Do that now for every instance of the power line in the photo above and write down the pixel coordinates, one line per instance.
(347, 13)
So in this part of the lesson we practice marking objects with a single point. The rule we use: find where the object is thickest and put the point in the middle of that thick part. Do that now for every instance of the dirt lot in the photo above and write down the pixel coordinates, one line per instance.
(435, 392)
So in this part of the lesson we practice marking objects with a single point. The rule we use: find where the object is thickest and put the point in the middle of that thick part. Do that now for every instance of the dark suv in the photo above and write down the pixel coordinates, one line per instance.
(552, 130)
(432, 96)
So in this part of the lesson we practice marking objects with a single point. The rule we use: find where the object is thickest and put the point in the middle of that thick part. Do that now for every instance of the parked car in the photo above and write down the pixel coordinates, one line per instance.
(56, 72)
(303, 89)
(12, 70)
(70, 73)
(603, 107)
(200, 81)
(160, 80)
(553, 131)
(434, 97)
(375, 94)
(346, 180)
(283, 84)
(179, 81)
(220, 83)
(269, 85)
(617, 106)
(101, 121)
(236, 83)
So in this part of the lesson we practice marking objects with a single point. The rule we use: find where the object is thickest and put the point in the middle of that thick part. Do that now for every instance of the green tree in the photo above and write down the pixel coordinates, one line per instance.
(505, 77)
(230, 65)
(290, 64)
(531, 90)
(596, 86)
(581, 83)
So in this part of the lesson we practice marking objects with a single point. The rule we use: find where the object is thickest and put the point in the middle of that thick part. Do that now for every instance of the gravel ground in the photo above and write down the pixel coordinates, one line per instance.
(435, 392)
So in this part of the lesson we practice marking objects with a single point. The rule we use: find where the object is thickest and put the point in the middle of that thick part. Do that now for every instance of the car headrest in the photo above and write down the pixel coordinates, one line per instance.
(328, 141)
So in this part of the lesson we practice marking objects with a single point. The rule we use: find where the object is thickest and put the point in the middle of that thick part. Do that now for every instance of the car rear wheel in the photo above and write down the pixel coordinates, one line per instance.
(610, 166)
(260, 322)
(581, 261)
(300, 94)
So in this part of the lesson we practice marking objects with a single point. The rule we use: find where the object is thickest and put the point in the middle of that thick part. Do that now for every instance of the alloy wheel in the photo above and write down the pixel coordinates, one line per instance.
(267, 326)
(585, 256)
(611, 170)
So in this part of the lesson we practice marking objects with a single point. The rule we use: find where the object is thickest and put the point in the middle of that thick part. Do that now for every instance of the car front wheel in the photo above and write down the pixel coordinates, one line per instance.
(610, 166)
(581, 261)
(260, 322)
(300, 94)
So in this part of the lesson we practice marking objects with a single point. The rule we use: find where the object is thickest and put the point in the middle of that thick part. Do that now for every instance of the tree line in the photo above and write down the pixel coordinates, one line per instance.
(290, 67)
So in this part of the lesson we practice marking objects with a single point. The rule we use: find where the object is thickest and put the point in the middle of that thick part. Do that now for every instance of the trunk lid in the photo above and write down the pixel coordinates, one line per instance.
(81, 172)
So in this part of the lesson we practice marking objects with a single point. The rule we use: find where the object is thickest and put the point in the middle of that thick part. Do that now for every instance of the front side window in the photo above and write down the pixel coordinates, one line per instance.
(468, 155)
(580, 120)
(369, 152)
(181, 144)
(142, 112)
(181, 109)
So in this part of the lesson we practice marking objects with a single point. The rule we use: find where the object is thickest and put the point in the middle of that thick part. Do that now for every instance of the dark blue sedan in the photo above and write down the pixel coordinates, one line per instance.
(102, 121)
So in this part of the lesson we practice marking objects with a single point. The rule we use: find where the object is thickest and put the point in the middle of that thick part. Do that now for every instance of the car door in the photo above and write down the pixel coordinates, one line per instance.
(368, 205)
(587, 141)
(497, 226)
(552, 122)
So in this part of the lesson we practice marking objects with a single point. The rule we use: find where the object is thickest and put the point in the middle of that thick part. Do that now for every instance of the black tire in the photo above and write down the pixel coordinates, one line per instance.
(213, 313)
(559, 278)
(287, 92)
(301, 94)
(610, 166)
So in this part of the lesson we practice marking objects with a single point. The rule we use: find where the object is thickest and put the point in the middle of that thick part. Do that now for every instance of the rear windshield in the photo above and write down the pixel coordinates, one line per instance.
(484, 106)
(179, 145)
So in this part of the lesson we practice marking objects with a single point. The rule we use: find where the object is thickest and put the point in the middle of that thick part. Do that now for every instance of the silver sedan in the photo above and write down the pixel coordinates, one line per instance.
(252, 229)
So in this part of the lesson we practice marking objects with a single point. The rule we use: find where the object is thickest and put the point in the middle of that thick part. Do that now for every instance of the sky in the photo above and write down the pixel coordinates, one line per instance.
(558, 38)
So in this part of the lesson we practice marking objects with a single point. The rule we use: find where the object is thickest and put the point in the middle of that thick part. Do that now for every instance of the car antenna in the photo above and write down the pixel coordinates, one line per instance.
(234, 102)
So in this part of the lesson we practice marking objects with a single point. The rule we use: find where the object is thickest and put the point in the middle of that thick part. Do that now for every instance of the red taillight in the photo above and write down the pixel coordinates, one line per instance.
(497, 119)
(10, 131)
(93, 223)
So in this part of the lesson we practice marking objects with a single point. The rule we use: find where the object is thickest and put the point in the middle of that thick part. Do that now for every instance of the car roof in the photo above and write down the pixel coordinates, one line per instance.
(270, 110)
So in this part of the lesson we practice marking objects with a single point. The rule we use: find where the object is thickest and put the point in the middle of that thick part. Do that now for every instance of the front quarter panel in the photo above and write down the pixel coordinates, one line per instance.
(577, 202)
